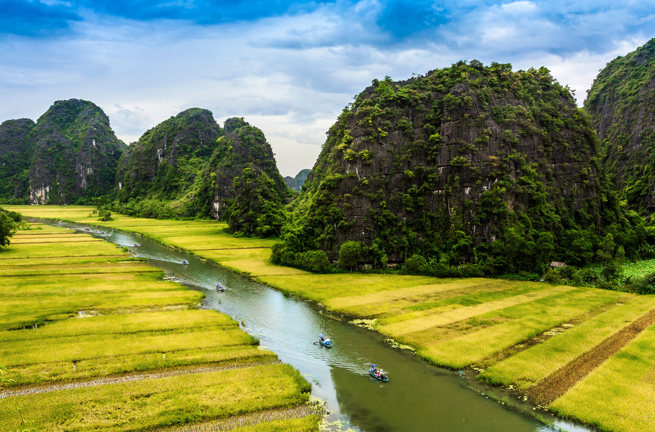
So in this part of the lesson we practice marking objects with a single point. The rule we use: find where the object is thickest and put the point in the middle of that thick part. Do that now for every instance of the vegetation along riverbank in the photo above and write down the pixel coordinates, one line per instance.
(583, 353)
(92, 339)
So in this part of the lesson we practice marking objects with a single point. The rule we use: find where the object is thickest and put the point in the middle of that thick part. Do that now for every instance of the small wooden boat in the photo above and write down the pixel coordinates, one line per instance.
(377, 374)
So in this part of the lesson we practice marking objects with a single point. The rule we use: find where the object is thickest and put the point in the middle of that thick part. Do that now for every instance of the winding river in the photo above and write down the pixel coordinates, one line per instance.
(419, 397)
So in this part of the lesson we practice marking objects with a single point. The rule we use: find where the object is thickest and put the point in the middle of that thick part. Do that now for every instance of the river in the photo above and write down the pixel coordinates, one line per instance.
(418, 397)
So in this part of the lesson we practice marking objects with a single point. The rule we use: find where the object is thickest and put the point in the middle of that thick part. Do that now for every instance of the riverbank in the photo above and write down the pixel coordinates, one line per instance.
(93, 339)
(528, 336)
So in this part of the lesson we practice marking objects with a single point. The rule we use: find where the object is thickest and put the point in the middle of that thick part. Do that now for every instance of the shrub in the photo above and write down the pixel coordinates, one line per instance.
(350, 254)
(416, 264)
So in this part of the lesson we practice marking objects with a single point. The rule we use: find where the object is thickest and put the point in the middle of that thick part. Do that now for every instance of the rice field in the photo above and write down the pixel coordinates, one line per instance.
(95, 340)
(584, 353)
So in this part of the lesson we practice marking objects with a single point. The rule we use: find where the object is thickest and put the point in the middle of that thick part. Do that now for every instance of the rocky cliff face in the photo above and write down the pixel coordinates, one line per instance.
(15, 155)
(452, 165)
(166, 159)
(71, 152)
(76, 153)
(621, 103)
(242, 146)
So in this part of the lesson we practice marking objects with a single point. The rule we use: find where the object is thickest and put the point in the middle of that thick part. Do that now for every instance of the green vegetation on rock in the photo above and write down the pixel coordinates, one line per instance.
(68, 156)
(620, 103)
(479, 169)
(188, 166)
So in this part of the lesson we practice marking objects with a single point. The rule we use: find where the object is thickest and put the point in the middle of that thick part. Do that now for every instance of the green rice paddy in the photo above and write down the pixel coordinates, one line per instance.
(517, 334)
(112, 346)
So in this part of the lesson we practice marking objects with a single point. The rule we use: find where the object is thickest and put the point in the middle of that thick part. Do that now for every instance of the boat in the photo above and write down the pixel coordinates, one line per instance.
(185, 262)
(326, 342)
(378, 374)
(220, 288)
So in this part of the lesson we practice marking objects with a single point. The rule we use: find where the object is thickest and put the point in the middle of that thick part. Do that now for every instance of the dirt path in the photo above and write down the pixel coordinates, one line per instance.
(125, 378)
(558, 383)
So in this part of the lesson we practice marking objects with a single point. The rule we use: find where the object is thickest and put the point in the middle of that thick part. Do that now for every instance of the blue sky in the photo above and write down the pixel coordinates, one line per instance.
(287, 67)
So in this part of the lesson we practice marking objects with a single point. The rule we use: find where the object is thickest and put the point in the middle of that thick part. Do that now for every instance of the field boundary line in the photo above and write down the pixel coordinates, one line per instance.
(545, 335)
(559, 382)
(440, 319)
(139, 376)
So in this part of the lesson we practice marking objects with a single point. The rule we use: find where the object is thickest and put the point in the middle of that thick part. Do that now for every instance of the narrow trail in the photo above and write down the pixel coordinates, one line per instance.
(246, 420)
(560, 381)
(127, 378)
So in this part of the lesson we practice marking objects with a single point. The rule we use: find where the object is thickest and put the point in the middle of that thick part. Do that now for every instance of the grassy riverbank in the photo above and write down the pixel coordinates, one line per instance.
(95, 340)
(578, 351)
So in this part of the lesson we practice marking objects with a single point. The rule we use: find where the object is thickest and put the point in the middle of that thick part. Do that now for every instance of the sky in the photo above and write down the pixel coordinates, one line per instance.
(285, 66)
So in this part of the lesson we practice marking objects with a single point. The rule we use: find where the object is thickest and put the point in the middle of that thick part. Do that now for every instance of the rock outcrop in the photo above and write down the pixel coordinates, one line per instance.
(15, 155)
(242, 146)
(621, 103)
(71, 154)
(456, 165)
(165, 161)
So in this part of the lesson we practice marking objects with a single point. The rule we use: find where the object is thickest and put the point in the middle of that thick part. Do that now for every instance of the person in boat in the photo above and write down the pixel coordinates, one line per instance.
(321, 338)
(373, 369)
(219, 287)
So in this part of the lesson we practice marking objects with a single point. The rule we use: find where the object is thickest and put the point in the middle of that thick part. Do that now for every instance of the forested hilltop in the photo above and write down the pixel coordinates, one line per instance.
(188, 166)
(68, 156)
(621, 103)
(473, 167)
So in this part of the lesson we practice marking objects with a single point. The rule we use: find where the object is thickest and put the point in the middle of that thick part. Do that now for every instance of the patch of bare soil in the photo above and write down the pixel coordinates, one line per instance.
(560, 381)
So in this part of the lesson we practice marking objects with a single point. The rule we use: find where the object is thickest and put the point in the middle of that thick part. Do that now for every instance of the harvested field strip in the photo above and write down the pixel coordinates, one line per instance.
(399, 308)
(125, 324)
(96, 346)
(321, 287)
(441, 318)
(124, 379)
(560, 381)
(104, 268)
(78, 239)
(67, 371)
(545, 336)
(15, 262)
(282, 418)
(66, 259)
(516, 324)
(565, 347)
(38, 251)
(402, 293)
(618, 395)
(159, 402)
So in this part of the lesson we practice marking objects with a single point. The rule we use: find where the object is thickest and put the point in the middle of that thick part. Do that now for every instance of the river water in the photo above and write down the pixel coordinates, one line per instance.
(418, 397)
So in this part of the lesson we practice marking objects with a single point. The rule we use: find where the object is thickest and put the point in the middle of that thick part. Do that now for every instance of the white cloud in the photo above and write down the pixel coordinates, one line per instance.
(292, 75)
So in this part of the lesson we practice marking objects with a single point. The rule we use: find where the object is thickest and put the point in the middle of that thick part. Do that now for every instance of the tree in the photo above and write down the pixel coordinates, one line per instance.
(7, 228)
(349, 254)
